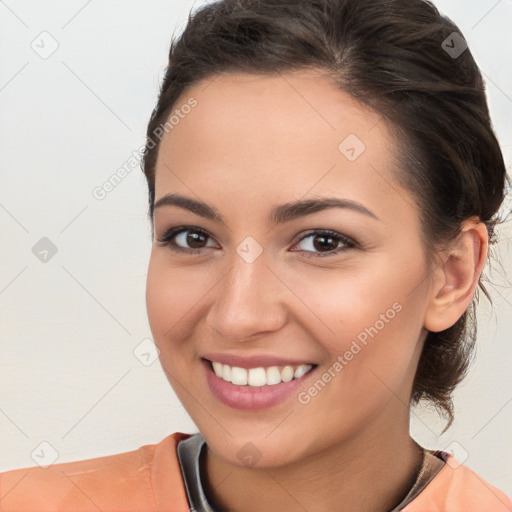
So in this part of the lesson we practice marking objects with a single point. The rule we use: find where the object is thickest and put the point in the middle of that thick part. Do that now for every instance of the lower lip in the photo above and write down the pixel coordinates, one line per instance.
(251, 398)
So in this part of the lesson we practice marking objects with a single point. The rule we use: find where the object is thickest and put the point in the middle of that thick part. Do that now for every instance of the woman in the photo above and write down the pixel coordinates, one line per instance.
(324, 183)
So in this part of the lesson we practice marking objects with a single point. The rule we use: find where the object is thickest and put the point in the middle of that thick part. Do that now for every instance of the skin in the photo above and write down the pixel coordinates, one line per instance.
(253, 142)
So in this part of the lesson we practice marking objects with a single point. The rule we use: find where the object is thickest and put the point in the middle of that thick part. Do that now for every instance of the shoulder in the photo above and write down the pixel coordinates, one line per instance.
(148, 478)
(457, 487)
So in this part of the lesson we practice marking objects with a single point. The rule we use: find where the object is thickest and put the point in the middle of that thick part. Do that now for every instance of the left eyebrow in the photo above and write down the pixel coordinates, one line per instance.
(279, 214)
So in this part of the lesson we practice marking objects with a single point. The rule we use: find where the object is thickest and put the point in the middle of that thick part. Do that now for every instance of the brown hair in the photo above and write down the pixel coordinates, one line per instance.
(400, 58)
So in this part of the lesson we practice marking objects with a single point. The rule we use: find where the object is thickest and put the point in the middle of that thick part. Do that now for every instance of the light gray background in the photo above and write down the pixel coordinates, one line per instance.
(69, 326)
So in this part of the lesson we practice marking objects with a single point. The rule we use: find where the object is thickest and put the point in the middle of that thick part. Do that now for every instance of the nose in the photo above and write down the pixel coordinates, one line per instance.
(249, 301)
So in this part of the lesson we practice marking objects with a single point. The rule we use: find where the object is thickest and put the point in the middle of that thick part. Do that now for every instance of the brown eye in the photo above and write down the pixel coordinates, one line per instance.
(326, 243)
(185, 239)
(194, 238)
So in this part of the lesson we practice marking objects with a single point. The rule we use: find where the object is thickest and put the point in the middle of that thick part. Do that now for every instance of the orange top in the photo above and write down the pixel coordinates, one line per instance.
(149, 479)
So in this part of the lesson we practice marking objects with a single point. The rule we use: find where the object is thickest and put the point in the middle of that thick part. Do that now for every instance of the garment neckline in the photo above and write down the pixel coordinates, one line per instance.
(189, 454)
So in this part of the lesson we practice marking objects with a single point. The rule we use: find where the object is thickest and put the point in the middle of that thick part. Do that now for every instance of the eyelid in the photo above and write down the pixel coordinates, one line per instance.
(323, 231)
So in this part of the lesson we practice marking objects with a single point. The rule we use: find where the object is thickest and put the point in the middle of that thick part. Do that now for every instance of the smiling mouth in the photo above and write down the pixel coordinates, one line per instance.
(260, 376)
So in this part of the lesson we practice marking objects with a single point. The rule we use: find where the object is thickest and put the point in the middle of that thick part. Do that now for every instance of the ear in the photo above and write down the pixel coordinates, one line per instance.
(456, 277)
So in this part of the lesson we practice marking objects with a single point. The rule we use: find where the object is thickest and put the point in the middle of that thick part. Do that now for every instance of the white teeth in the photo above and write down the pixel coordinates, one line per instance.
(287, 374)
(217, 368)
(301, 370)
(226, 372)
(273, 376)
(258, 377)
(238, 376)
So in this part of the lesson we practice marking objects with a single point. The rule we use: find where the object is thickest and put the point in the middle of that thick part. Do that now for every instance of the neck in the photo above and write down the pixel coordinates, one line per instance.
(385, 462)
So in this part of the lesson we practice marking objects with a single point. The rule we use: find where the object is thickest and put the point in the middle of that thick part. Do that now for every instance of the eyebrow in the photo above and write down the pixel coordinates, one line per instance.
(279, 214)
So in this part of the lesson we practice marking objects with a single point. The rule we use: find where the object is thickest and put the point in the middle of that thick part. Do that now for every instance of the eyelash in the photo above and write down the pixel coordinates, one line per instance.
(167, 240)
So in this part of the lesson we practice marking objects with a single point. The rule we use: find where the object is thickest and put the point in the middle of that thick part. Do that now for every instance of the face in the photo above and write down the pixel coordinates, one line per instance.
(252, 283)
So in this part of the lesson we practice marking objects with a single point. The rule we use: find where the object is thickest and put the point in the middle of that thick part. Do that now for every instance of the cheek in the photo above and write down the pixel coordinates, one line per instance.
(158, 299)
(166, 300)
(166, 287)
(343, 304)
(370, 323)
(175, 298)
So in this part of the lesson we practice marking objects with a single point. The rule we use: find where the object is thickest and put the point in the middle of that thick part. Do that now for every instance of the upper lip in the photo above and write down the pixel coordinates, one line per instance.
(254, 361)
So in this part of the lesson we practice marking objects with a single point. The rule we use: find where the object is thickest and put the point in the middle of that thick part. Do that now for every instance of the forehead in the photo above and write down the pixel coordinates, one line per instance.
(278, 137)
(301, 104)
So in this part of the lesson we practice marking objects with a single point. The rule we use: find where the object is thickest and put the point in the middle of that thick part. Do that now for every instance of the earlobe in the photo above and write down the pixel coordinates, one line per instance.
(457, 277)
